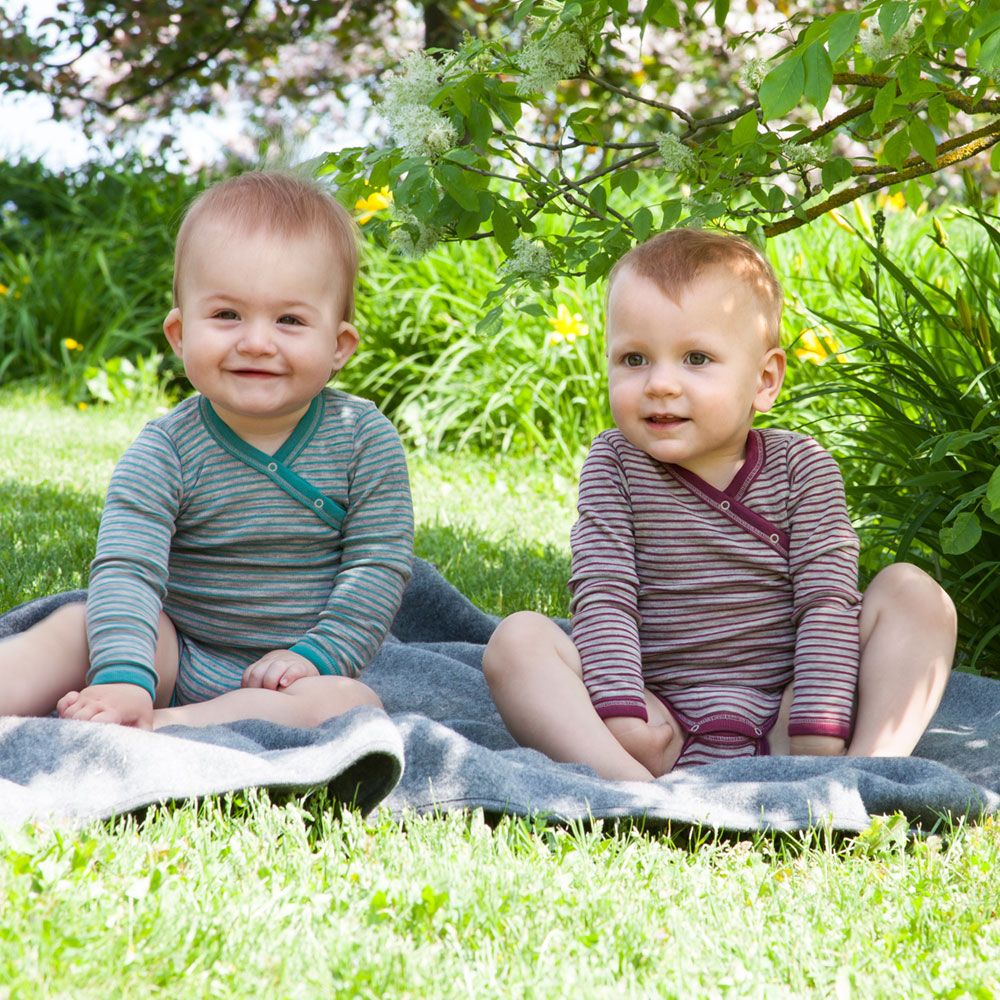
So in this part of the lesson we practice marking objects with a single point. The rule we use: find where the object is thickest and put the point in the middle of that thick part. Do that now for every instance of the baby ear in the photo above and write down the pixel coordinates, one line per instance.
(772, 375)
(347, 344)
(173, 327)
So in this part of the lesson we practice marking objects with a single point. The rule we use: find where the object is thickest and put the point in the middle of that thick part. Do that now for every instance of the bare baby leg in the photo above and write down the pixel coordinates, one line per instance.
(305, 703)
(41, 665)
(536, 679)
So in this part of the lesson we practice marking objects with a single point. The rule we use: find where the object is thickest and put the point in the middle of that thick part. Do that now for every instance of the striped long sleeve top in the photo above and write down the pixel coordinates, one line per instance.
(307, 549)
(717, 599)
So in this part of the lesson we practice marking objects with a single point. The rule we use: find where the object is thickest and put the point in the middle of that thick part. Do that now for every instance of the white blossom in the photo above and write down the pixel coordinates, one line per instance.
(753, 72)
(527, 257)
(676, 157)
(798, 154)
(417, 128)
(545, 61)
(877, 47)
(411, 237)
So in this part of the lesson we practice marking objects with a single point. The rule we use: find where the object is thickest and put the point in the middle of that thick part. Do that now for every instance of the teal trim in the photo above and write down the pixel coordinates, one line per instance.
(325, 508)
(303, 433)
(315, 657)
(126, 673)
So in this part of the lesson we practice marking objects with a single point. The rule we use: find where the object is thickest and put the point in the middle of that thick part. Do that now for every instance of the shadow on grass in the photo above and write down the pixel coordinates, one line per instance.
(47, 539)
(498, 576)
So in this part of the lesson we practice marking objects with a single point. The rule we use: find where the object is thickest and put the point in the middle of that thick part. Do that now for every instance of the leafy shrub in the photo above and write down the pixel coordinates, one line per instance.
(85, 267)
(918, 392)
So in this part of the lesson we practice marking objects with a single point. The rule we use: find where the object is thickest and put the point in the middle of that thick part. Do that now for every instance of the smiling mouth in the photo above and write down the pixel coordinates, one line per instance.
(253, 373)
(664, 420)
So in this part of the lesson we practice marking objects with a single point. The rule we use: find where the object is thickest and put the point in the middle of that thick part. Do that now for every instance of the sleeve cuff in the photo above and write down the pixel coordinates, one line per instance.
(125, 673)
(622, 709)
(315, 657)
(821, 727)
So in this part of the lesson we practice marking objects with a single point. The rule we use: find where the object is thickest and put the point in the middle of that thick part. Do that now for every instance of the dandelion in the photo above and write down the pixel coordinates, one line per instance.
(566, 327)
(4, 290)
(676, 157)
(368, 208)
(81, 406)
(527, 258)
(818, 345)
(72, 345)
(753, 72)
(544, 62)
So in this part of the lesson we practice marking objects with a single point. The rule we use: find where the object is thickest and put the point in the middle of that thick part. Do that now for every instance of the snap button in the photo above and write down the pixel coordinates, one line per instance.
(724, 505)
(696, 727)
(272, 467)
(757, 730)
(774, 538)
(318, 504)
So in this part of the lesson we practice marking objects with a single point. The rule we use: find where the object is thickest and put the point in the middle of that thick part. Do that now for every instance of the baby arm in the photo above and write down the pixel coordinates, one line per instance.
(376, 556)
(826, 605)
(277, 670)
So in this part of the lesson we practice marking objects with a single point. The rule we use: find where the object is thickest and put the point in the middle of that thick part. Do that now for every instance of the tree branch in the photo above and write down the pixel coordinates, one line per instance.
(915, 167)
(636, 97)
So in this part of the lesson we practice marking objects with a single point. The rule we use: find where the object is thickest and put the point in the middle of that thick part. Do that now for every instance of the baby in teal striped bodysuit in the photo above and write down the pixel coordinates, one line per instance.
(256, 539)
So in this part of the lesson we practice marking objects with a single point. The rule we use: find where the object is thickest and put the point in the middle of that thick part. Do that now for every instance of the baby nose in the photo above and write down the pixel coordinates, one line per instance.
(257, 339)
(661, 380)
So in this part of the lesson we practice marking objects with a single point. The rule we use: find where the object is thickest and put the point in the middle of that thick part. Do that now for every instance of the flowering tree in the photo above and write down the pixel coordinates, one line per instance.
(587, 126)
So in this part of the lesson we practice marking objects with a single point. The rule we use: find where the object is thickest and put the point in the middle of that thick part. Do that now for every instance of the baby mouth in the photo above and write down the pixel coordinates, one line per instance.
(664, 419)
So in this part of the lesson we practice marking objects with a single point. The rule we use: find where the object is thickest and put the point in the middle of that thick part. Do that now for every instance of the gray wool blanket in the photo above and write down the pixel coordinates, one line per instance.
(458, 755)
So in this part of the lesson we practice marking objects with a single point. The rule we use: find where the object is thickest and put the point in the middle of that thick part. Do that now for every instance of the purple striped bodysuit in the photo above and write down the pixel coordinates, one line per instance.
(715, 600)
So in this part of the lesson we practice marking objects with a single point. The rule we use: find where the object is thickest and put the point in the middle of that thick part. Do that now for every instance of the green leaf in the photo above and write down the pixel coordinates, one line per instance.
(992, 504)
(745, 129)
(923, 140)
(989, 54)
(662, 13)
(897, 147)
(671, 213)
(892, 16)
(843, 30)
(597, 267)
(455, 182)
(995, 159)
(885, 100)
(961, 535)
(642, 223)
(782, 88)
(721, 12)
(598, 198)
(490, 322)
(819, 75)
(914, 195)
(626, 181)
(939, 112)
(834, 171)
(504, 227)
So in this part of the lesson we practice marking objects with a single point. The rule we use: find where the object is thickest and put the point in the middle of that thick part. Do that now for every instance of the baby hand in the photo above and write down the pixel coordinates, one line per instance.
(655, 744)
(816, 746)
(277, 669)
(120, 704)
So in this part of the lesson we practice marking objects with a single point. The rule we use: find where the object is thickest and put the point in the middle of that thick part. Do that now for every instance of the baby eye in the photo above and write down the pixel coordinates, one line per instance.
(697, 360)
(226, 314)
(633, 360)
(289, 320)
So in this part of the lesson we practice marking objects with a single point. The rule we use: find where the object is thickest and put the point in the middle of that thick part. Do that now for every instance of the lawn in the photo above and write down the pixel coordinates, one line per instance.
(242, 896)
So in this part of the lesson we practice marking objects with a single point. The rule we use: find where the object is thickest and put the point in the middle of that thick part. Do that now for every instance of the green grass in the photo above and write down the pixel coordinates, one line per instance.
(247, 897)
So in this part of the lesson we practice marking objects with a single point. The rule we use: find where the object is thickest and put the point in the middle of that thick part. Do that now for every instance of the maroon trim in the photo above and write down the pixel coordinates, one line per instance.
(839, 730)
(622, 710)
(727, 501)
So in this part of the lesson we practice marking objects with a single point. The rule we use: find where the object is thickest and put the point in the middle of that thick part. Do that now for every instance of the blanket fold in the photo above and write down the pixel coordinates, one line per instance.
(459, 755)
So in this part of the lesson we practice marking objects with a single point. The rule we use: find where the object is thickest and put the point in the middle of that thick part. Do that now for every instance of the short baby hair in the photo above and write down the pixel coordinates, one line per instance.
(673, 260)
(278, 202)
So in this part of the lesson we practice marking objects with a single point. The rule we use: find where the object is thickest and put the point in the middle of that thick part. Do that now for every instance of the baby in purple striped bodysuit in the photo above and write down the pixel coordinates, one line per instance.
(715, 603)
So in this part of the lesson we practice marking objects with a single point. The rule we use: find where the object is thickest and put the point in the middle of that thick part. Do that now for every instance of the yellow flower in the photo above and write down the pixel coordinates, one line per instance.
(817, 346)
(72, 345)
(891, 202)
(566, 326)
(81, 406)
(4, 289)
(839, 220)
(377, 201)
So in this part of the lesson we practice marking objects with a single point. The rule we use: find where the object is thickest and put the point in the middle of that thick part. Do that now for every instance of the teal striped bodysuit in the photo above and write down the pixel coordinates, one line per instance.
(307, 549)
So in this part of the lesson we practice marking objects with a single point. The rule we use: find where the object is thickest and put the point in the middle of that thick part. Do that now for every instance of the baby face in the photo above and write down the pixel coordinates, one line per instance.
(259, 325)
(686, 379)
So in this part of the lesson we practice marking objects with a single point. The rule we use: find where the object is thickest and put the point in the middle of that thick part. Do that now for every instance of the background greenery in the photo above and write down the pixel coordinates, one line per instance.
(891, 324)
